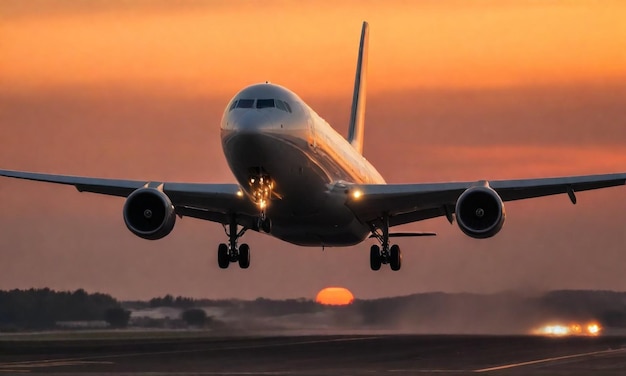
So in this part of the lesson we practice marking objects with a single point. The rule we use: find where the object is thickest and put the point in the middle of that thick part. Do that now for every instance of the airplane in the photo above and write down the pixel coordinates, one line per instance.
(300, 181)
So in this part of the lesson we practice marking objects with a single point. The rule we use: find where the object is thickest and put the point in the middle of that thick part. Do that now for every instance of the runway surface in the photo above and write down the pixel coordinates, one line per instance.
(315, 355)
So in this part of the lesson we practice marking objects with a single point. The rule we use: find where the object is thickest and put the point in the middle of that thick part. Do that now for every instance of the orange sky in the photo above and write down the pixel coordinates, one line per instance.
(217, 47)
(459, 90)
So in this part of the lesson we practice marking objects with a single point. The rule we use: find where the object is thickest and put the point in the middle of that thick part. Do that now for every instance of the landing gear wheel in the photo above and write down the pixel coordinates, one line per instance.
(375, 259)
(223, 258)
(244, 256)
(395, 257)
(266, 225)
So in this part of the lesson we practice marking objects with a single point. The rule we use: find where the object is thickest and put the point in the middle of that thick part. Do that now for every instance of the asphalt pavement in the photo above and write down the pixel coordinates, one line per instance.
(318, 355)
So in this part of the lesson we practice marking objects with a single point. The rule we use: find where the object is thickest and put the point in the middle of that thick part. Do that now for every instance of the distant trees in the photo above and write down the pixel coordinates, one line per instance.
(263, 306)
(42, 308)
(195, 317)
(117, 317)
(170, 301)
(36, 309)
(614, 318)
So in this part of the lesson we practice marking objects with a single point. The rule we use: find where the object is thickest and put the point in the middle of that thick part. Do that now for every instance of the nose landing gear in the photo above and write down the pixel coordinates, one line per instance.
(262, 188)
(261, 191)
(265, 224)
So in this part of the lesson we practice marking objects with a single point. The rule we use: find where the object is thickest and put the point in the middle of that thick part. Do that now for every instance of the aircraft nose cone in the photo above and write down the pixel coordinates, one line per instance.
(251, 122)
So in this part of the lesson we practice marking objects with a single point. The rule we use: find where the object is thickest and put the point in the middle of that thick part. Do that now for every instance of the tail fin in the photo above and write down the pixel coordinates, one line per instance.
(357, 115)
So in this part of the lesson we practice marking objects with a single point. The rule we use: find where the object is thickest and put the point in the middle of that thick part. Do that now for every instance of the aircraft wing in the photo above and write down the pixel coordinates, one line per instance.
(205, 201)
(405, 203)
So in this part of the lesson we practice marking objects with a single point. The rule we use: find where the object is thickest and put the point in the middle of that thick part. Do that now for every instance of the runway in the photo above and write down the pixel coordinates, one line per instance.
(314, 355)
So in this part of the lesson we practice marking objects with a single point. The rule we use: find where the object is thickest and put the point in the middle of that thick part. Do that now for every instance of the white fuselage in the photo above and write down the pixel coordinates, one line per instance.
(268, 129)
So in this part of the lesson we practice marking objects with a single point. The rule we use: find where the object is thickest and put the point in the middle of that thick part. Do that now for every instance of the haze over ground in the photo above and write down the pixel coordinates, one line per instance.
(457, 91)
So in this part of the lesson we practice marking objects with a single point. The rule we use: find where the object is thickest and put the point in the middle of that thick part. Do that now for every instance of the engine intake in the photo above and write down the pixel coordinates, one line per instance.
(149, 213)
(480, 212)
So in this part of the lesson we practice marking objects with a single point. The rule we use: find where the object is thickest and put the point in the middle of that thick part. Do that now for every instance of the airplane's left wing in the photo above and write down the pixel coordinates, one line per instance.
(211, 202)
(405, 203)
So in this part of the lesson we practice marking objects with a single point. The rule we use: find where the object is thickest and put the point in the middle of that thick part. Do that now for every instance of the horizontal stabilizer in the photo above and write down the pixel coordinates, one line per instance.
(408, 234)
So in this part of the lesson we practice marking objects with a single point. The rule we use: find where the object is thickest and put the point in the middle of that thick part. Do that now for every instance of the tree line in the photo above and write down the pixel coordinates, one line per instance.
(37, 309)
(44, 308)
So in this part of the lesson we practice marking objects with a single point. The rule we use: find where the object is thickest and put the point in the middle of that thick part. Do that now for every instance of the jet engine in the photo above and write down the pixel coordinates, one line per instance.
(480, 212)
(149, 213)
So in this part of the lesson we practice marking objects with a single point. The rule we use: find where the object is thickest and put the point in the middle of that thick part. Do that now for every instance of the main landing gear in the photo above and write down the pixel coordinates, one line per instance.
(227, 253)
(384, 254)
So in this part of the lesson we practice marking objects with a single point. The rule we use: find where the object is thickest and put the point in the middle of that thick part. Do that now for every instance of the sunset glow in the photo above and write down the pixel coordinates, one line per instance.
(337, 296)
(458, 90)
(413, 44)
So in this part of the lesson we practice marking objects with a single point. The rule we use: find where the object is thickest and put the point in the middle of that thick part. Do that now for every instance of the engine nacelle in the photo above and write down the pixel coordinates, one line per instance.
(480, 212)
(149, 213)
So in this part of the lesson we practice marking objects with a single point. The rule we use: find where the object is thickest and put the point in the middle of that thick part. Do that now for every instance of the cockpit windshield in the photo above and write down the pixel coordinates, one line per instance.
(260, 104)
(264, 103)
(281, 105)
(245, 103)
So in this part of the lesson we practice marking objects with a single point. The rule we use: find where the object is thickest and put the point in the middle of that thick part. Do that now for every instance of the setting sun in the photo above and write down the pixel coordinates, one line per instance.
(334, 296)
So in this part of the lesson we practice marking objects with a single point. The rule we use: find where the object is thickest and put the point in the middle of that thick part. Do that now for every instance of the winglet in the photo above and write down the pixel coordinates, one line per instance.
(357, 115)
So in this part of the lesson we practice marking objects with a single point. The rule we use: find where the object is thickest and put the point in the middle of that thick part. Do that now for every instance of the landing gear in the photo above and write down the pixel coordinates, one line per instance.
(384, 254)
(265, 224)
(223, 257)
(244, 256)
(262, 190)
(395, 257)
(375, 259)
(227, 253)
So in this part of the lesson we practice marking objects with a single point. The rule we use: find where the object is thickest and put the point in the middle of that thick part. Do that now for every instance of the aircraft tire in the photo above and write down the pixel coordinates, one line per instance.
(395, 257)
(223, 259)
(244, 256)
(375, 260)
(266, 225)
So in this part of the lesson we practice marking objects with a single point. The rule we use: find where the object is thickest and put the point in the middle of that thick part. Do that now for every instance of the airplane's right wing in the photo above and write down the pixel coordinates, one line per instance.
(405, 203)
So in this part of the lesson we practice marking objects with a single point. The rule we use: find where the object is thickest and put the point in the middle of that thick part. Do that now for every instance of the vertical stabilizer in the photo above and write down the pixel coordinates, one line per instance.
(357, 115)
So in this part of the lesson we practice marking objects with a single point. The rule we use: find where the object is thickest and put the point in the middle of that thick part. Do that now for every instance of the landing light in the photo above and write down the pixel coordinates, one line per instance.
(357, 194)
(593, 329)
(575, 329)
(239, 194)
